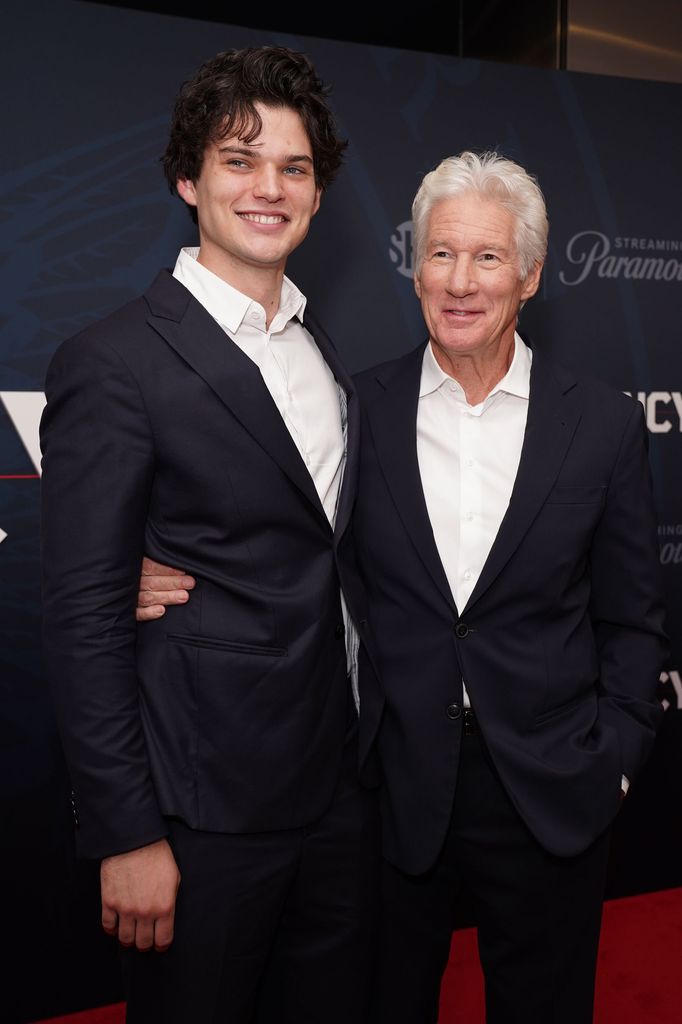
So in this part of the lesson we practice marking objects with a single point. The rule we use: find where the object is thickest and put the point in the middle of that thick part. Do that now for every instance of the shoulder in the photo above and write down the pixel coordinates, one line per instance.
(378, 378)
(601, 399)
(116, 332)
(123, 332)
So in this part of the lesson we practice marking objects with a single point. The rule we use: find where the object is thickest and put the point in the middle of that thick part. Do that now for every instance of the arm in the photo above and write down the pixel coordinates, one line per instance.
(626, 604)
(97, 479)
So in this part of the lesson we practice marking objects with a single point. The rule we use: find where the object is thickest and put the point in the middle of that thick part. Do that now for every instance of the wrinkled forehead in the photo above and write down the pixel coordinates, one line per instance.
(471, 219)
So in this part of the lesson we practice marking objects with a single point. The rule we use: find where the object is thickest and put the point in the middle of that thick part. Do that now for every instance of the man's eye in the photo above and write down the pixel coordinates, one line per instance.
(235, 162)
(293, 170)
(488, 257)
(441, 254)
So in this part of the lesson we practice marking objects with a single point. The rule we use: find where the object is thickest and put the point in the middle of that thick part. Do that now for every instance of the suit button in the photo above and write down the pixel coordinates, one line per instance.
(339, 631)
(454, 711)
(461, 630)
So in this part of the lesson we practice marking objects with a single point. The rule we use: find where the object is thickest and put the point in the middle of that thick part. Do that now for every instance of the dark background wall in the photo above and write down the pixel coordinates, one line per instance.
(85, 222)
(621, 37)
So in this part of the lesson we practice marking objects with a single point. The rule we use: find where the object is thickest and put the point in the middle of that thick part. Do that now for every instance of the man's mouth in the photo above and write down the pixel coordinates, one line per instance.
(264, 218)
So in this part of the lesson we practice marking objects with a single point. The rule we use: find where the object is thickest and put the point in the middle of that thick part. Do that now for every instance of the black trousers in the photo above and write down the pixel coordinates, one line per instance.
(270, 928)
(538, 916)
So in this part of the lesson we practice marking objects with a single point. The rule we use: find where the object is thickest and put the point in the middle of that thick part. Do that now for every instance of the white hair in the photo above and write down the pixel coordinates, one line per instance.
(493, 177)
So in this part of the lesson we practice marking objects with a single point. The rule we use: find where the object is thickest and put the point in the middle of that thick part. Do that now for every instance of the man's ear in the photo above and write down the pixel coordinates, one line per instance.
(532, 282)
(185, 189)
(417, 284)
(318, 199)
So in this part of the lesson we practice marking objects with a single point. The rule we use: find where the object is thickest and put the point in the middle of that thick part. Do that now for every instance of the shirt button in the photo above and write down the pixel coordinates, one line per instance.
(467, 574)
(339, 631)
(454, 711)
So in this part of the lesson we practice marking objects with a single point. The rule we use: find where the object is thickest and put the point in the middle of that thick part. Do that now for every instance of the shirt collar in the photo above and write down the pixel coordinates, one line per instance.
(226, 304)
(516, 380)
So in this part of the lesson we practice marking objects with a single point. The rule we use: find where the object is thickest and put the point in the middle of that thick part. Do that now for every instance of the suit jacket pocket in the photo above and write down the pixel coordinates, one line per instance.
(566, 495)
(587, 699)
(211, 643)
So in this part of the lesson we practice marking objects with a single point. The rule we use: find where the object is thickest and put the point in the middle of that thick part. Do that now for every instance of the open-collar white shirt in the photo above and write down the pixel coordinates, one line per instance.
(468, 459)
(295, 373)
(297, 376)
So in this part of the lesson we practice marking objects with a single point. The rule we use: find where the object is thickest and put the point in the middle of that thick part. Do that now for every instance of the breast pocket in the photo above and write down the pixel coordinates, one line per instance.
(583, 495)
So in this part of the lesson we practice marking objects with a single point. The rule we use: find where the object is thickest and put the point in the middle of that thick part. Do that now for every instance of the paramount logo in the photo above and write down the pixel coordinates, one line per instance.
(647, 259)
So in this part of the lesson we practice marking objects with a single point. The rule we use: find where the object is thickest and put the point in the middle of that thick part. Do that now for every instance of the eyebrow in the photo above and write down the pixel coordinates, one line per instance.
(438, 243)
(291, 158)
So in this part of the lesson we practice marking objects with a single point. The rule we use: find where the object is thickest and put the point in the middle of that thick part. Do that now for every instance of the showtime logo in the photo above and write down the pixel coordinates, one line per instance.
(401, 249)
(635, 259)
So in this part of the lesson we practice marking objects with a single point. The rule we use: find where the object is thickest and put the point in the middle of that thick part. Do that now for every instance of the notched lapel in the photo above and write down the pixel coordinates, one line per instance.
(553, 416)
(344, 381)
(236, 380)
(393, 421)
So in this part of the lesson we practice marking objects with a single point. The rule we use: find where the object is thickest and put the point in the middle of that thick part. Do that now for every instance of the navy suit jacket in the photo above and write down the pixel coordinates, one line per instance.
(160, 436)
(561, 642)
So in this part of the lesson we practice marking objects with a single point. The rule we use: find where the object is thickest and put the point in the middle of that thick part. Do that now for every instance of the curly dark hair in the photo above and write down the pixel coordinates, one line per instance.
(219, 102)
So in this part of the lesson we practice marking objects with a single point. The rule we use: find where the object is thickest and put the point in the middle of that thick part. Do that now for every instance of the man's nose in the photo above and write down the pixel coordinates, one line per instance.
(461, 280)
(268, 184)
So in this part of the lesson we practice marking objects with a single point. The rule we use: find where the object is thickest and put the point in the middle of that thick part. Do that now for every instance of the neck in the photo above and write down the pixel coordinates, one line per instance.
(476, 373)
(262, 284)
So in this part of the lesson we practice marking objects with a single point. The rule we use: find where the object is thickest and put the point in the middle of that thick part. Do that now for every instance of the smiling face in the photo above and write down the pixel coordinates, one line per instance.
(254, 201)
(468, 282)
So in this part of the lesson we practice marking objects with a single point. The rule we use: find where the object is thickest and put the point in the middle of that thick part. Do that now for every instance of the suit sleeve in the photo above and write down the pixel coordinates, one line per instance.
(96, 484)
(626, 604)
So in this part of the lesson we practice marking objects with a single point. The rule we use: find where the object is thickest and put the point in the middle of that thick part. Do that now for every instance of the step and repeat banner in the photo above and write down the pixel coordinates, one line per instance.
(86, 222)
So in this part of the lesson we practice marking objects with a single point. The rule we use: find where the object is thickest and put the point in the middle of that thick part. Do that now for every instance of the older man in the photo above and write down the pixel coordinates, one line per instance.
(505, 537)
(519, 634)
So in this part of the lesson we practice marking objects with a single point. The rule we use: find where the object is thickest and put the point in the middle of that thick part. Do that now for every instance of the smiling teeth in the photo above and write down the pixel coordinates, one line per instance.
(261, 218)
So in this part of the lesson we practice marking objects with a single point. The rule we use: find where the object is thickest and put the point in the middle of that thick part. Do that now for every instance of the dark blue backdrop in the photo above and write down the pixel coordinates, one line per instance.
(86, 223)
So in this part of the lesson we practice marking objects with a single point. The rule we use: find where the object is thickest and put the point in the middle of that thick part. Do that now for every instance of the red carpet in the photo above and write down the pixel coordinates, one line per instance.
(639, 979)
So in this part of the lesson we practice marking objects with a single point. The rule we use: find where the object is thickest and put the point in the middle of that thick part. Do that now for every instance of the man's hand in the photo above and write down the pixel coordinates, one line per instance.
(138, 896)
(160, 585)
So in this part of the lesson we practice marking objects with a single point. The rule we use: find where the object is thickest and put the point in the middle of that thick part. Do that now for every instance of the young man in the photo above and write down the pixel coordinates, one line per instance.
(210, 424)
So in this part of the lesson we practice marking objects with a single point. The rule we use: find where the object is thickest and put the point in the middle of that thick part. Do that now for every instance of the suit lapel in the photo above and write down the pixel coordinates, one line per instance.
(236, 380)
(393, 420)
(352, 429)
(553, 416)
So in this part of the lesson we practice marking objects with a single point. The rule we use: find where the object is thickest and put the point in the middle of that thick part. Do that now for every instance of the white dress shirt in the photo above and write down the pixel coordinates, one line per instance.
(468, 459)
(295, 373)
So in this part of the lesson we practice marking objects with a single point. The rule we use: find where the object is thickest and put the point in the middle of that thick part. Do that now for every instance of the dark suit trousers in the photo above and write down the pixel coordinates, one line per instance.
(538, 916)
(272, 928)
